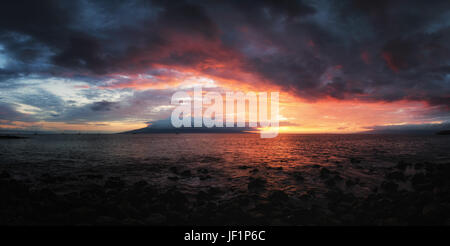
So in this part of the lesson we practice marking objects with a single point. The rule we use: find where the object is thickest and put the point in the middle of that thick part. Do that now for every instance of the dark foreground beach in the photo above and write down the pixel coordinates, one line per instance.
(324, 180)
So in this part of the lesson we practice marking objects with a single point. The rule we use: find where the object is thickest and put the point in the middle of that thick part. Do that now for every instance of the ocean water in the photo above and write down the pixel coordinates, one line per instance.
(192, 162)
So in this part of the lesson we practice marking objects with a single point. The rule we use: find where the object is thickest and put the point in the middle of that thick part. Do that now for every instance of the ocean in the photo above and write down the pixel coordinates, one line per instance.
(223, 167)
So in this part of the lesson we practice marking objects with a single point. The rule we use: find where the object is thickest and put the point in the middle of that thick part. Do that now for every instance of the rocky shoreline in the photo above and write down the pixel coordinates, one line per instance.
(410, 194)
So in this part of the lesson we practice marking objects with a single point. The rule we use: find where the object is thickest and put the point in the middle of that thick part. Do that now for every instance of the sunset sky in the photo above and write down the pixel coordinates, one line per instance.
(112, 66)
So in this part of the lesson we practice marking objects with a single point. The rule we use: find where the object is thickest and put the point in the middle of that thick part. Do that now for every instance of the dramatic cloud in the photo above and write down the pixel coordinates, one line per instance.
(105, 53)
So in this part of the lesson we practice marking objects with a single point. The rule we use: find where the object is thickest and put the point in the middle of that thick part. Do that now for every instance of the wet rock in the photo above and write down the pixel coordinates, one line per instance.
(49, 179)
(106, 220)
(114, 183)
(348, 219)
(337, 178)
(175, 199)
(334, 195)
(203, 170)
(298, 176)
(402, 165)
(418, 179)
(330, 182)
(256, 183)
(94, 176)
(418, 166)
(350, 183)
(392, 221)
(186, 173)
(324, 172)
(46, 194)
(174, 170)
(430, 209)
(207, 159)
(156, 219)
(5, 175)
(205, 177)
(389, 186)
(396, 176)
(173, 178)
(82, 214)
(243, 167)
(140, 185)
(305, 197)
(92, 192)
(278, 196)
(13, 188)
(202, 195)
(214, 191)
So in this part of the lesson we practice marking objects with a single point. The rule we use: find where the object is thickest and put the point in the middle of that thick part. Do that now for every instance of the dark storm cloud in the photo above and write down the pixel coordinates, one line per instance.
(9, 113)
(104, 106)
(367, 50)
(132, 107)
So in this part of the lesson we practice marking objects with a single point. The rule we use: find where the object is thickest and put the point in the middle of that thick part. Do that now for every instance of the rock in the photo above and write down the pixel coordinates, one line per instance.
(173, 178)
(389, 186)
(334, 195)
(174, 170)
(214, 191)
(402, 165)
(256, 183)
(330, 182)
(418, 179)
(243, 167)
(156, 219)
(392, 221)
(114, 183)
(324, 172)
(46, 194)
(49, 179)
(430, 209)
(337, 178)
(82, 214)
(175, 198)
(203, 170)
(106, 220)
(94, 176)
(207, 159)
(140, 185)
(396, 176)
(305, 197)
(186, 173)
(418, 166)
(278, 196)
(349, 183)
(202, 195)
(348, 218)
(205, 177)
(5, 175)
(298, 176)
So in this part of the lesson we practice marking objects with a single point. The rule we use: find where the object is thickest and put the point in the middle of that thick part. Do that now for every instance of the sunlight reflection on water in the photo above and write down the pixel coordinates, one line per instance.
(229, 159)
